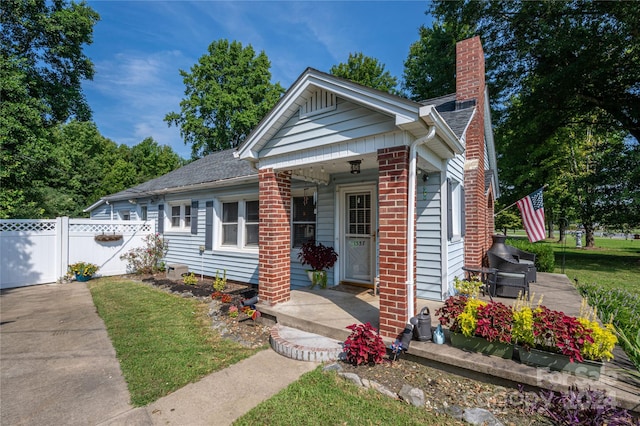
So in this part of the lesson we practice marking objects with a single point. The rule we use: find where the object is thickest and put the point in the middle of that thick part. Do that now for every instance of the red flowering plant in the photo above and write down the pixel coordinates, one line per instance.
(556, 332)
(318, 256)
(364, 345)
(494, 322)
(449, 312)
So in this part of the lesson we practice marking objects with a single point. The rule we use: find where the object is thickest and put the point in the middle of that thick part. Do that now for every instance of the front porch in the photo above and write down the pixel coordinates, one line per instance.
(327, 312)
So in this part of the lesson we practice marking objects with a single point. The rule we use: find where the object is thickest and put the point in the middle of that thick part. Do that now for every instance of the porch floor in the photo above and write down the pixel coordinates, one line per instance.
(327, 312)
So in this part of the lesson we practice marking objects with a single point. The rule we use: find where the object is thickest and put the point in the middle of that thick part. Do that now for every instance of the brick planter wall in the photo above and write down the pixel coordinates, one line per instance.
(392, 239)
(274, 262)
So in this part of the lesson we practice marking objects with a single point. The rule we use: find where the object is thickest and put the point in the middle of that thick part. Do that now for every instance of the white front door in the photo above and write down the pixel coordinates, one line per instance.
(359, 236)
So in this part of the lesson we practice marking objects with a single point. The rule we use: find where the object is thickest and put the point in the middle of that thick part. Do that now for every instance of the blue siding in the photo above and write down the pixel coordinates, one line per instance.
(347, 121)
(455, 249)
(428, 240)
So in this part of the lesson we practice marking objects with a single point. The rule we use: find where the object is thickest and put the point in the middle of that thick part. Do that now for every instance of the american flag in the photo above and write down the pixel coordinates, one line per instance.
(532, 210)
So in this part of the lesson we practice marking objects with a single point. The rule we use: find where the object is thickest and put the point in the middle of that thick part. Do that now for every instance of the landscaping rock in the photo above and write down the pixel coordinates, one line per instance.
(332, 367)
(454, 411)
(382, 389)
(413, 396)
(480, 416)
(352, 377)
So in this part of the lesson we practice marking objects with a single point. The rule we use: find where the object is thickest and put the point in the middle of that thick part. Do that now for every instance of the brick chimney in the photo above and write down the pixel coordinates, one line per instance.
(470, 86)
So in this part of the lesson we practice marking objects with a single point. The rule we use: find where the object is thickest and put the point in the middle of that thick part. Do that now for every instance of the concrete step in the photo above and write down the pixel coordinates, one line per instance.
(303, 346)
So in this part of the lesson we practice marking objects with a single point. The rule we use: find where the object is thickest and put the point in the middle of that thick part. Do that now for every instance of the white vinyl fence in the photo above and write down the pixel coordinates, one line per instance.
(39, 251)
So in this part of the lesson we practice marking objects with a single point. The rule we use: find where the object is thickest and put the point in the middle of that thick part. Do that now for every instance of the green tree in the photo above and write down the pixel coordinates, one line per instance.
(367, 71)
(563, 59)
(227, 93)
(507, 219)
(430, 68)
(47, 37)
(23, 139)
(152, 160)
(42, 66)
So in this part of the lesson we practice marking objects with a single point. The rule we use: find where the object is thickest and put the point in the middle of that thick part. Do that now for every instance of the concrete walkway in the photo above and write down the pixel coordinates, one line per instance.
(57, 364)
(58, 367)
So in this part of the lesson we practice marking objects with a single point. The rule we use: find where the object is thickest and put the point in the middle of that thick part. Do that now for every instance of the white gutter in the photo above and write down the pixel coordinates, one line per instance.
(411, 211)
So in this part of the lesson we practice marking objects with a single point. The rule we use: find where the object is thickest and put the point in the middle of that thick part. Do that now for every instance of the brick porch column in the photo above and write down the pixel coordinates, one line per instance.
(470, 85)
(274, 263)
(392, 239)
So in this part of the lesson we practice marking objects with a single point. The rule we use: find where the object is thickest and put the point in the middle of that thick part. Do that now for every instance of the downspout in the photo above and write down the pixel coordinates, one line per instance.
(411, 211)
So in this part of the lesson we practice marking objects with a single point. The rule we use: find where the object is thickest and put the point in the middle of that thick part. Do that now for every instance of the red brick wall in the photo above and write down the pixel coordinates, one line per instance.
(392, 239)
(470, 84)
(274, 262)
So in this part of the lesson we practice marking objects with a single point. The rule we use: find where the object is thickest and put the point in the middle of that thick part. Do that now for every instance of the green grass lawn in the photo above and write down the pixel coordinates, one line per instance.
(162, 341)
(613, 263)
(319, 398)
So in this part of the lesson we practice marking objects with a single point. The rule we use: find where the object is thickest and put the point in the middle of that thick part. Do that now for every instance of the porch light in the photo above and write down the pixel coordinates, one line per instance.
(355, 166)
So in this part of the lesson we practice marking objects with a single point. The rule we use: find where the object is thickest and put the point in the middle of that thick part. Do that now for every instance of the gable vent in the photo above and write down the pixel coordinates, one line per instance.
(320, 101)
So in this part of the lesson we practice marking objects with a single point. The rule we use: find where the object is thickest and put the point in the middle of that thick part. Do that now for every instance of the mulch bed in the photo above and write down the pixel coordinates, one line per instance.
(242, 329)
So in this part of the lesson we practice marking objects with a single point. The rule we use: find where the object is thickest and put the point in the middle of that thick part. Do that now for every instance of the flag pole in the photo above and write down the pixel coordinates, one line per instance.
(545, 186)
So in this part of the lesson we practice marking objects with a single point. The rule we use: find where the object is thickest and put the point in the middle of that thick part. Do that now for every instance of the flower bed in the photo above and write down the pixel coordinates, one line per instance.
(532, 328)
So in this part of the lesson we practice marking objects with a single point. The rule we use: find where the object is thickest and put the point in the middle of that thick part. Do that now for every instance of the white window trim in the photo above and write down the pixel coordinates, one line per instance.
(457, 201)
(168, 211)
(241, 246)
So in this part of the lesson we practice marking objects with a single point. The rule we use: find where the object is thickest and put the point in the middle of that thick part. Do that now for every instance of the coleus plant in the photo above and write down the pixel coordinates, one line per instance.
(364, 345)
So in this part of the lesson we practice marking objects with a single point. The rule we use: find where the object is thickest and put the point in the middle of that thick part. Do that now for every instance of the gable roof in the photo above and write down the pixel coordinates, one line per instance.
(217, 169)
(457, 114)
(408, 115)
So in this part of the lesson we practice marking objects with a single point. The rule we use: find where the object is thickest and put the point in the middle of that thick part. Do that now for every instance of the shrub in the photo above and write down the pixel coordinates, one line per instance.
(190, 279)
(545, 259)
(364, 345)
(623, 309)
(147, 259)
(220, 283)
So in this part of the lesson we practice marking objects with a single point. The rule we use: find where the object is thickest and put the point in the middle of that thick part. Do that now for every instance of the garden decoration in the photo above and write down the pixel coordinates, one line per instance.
(83, 271)
(320, 258)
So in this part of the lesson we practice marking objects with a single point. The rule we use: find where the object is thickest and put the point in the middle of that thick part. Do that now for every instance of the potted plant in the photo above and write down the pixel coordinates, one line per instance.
(560, 342)
(320, 258)
(83, 271)
(478, 326)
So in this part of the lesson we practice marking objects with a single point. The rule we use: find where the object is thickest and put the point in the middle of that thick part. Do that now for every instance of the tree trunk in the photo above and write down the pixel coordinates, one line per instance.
(588, 236)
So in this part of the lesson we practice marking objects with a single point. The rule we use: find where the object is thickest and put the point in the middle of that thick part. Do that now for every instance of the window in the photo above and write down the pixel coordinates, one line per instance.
(143, 212)
(230, 224)
(303, 222)
(251, 223)
(180, 218)
(125, 214)
(240, 223)
(455, 210)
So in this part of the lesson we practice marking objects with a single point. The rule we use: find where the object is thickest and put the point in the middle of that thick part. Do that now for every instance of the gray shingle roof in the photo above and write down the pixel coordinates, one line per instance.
(214, 167)
(222, 165)
(456, 114)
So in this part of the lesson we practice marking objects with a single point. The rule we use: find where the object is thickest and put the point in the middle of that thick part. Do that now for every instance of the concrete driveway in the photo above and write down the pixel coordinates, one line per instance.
(57, 364)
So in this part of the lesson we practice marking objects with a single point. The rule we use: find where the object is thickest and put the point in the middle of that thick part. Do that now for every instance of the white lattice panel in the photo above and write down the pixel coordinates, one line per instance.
(27, 225)
(109, 228)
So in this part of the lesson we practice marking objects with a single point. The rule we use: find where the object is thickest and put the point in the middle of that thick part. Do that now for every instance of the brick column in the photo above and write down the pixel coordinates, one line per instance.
(275, 247)
(470, 85)
(392, 239)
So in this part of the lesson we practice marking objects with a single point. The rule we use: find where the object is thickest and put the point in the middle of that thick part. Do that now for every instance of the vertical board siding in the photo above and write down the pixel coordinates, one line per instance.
(428, 239)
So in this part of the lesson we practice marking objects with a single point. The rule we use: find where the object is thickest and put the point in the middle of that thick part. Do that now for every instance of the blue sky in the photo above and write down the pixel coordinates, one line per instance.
(140, 46)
